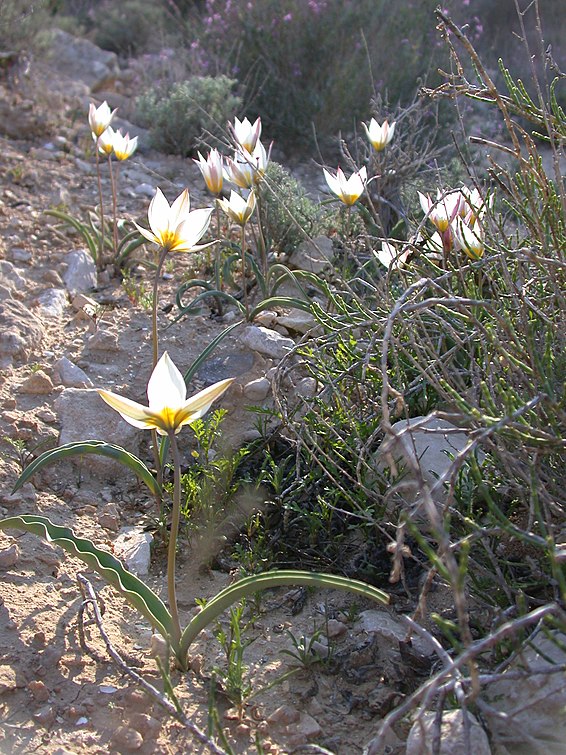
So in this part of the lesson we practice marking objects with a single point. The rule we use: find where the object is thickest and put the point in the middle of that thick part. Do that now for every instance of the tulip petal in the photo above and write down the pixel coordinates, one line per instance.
(166, 386)
(333, 184)
(134, 413)
(147, 234)
(158, 213)
(197, 406)
(198, 221)
(179, 208)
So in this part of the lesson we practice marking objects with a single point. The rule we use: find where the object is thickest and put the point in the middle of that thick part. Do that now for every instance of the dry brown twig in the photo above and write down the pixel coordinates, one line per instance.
(91, 604)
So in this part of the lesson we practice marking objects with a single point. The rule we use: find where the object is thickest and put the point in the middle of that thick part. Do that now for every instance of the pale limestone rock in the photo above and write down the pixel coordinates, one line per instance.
(84, 416)
(21, 332)
(297, 320)
(52, 303)
(267, 342)
(257, 390)
(8, 681)
(80, 59)
(313, 256)
(452, 737)
(38, 383)
(80, 275)
(9, 556)
(133, 546)
(421, 450)
(68, 374)
(534, 706)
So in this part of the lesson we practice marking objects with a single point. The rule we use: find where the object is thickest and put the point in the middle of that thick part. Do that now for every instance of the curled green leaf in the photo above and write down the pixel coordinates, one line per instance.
(108, 566)
(99, 447)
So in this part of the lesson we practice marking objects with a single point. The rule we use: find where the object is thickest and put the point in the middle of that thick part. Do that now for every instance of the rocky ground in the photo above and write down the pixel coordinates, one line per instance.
(55, 347)
(59, 695)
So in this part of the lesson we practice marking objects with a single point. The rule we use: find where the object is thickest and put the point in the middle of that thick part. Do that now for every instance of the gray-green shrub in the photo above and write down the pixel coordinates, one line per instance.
(189, 113)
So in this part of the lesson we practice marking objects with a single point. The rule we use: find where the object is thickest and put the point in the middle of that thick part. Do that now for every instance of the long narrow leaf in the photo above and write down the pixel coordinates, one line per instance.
(205, 353)
(251, 585)
(99, 447)
(108, 566)
(281, 301)
(223, 295)
(81, 229)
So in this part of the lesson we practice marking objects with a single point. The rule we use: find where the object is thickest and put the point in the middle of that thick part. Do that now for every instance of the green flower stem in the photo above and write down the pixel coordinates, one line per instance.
(154, 335)
(173, 535)
(244, 286)
(218, 251)
(261, 237)
(155, 344)
(100, 261)
(114, 182)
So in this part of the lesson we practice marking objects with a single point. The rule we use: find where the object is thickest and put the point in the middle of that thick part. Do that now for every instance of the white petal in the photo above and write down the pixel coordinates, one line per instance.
(158, 213)
(426, 204)
(180, 208)
(166, 387)
(197, 406)
(134, 413)
(332, 182)
(147, 234)
(198, 221)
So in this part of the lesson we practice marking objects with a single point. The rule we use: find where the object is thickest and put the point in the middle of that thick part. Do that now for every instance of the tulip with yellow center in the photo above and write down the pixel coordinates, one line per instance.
(237, 208)
(247, 169)
(211, 170)
(347, 190)
(245, 134)
(470, 239)
(169, 408)
(175, 228)
(124, 147)
(99, 117)
(442, 211)
(379, 136)
(239, 172)
(475, 206)
(105, 142)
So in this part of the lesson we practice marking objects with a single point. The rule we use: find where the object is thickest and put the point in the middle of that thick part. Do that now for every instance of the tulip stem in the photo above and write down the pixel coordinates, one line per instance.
(218, 249)
(100, 261)
(155, 345)
(173, 535)
(244, 285)
(113, 182)
(261, 237)
(154, 334)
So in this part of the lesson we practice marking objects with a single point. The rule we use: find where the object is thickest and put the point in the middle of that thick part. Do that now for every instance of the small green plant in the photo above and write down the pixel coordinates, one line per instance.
(18, 450)
(136, 291)
(304, 650)
(189, 113)
(90, 232)
(234, 678)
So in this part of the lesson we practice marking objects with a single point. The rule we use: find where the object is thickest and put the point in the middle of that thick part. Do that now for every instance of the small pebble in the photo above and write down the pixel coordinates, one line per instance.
(127, 739)
(39, 691)
(45, 716)
(147, 726)
(283, 715)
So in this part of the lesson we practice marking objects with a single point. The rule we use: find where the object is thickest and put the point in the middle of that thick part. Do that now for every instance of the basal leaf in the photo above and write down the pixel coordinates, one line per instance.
(99, 447)
(250, 585)
(108, 566)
